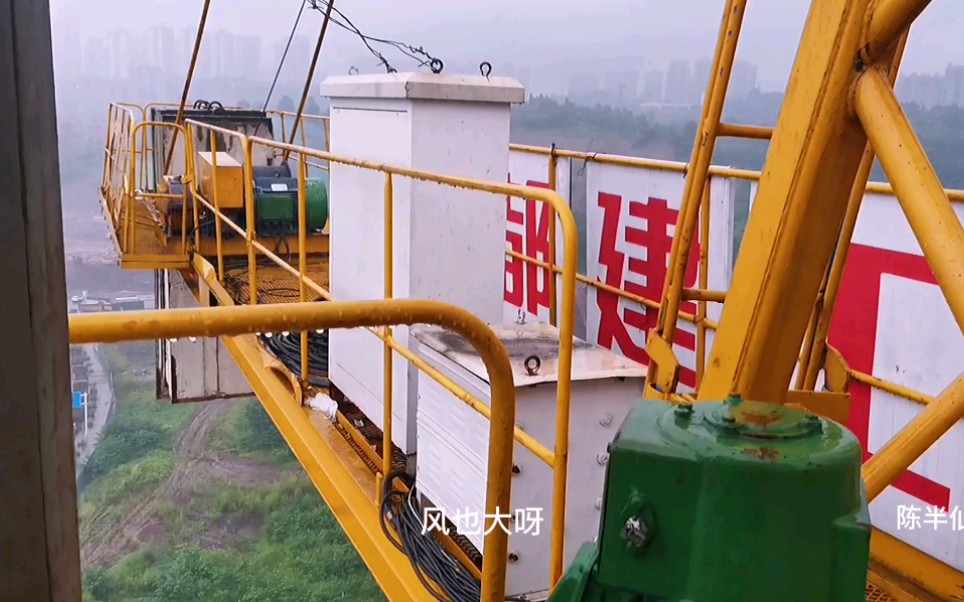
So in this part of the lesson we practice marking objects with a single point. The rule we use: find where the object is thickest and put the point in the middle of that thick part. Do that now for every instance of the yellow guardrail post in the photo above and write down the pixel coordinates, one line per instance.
(389, 335)
(242, 320)
(550, 273)
(703, 280)
(218, 233)
(303, 260)
(250, 230)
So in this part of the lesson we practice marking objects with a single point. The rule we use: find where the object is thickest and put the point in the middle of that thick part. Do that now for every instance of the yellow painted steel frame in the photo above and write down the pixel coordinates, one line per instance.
(348, 502)
(696, 180)
(776, 278)
(558, 457)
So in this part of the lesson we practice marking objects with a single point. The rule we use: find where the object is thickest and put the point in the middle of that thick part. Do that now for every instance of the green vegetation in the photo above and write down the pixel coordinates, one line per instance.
(248, 431)
(937, 129)
(205, 502)
(141, 426)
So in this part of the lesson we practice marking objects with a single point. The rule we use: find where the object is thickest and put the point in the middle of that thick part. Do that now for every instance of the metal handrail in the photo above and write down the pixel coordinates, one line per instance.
(557, 458)
(245, 320)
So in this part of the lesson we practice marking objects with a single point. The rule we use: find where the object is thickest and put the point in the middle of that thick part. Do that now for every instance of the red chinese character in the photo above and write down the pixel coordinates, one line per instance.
(529, 282)
(853, 333)
(657, 244)
(514, 268)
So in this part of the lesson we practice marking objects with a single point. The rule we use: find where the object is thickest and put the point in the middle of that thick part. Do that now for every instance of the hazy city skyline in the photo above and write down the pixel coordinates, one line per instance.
(605, 36)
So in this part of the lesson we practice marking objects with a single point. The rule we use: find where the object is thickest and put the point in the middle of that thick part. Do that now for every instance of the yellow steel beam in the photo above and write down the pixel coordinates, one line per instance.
(753, 132)
(810, 366)
(900, 569)
(919, 191)
(890, 19)
(251, 319)
(696, 180)
(914, 439)
(791, 233)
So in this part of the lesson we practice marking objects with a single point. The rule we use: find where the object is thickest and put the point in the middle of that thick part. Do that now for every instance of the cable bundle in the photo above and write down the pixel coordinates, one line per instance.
(287, 348)
(429, 559)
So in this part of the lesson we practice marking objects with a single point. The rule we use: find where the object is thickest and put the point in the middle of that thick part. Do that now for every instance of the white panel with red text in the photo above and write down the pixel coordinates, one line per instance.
(631, 219)
(527, 232)
(891, 320)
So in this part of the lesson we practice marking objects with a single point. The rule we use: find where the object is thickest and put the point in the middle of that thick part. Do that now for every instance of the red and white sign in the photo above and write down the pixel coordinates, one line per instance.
(527, 232)
(631, 219)
(891, 320)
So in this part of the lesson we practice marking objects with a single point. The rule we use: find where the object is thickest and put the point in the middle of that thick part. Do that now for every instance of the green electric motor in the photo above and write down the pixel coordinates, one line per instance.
(733, 501)
(276, 205)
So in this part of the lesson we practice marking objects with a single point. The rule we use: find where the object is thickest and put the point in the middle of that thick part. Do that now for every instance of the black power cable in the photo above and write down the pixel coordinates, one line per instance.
(416, 53)
(428, 557)
(287, 348)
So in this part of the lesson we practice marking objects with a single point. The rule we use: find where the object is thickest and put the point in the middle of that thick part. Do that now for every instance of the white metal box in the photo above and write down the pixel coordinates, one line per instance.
(449, 243)
(453, 439)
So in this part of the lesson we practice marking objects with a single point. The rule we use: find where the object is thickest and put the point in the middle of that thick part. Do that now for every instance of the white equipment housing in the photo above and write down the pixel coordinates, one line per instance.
(453, 439)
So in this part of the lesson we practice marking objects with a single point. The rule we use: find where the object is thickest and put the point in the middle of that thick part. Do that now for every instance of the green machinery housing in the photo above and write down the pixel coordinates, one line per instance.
(275, 190)
(733, 501)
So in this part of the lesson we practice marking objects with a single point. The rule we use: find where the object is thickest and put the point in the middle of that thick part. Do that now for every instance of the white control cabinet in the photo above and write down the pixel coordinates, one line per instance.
(449, 243)
(453, 439)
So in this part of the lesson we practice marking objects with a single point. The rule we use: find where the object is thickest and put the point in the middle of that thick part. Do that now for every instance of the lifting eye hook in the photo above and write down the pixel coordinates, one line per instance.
(532, 364)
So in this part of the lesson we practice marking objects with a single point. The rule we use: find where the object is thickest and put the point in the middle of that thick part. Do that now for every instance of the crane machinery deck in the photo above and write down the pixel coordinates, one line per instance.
(705, 436)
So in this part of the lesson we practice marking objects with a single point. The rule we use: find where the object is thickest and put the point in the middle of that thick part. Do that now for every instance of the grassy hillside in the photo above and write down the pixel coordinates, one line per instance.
(205, 502)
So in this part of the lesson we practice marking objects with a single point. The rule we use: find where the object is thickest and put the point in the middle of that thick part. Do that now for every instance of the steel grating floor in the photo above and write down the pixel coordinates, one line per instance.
(875, 594)
(275, 284)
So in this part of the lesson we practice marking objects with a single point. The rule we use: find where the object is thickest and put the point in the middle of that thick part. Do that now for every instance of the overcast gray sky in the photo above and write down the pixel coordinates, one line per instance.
(537, 32)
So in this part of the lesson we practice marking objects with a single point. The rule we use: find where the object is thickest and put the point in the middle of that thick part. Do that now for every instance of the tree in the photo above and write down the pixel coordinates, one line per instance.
(286, 104)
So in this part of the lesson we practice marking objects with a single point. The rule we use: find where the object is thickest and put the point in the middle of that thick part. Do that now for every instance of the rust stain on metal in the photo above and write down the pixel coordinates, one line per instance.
(763, 453)
(761, 418)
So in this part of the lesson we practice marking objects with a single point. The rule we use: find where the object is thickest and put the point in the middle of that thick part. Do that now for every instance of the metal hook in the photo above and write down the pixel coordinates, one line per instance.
(485, 68)
(353, 70)
(436, 65)
(532, 365)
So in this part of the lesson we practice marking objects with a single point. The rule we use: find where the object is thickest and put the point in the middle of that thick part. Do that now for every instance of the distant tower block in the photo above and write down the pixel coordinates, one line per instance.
(449, 243)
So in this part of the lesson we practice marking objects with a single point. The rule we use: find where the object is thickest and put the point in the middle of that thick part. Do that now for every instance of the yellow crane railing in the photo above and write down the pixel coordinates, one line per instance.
(558, 457)
(927, 427)
(251, 319)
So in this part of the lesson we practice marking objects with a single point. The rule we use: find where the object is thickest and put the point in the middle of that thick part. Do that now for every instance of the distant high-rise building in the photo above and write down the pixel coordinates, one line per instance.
(96, 59)
(122, 55)
(953, 86)
(653, 86)
(164, 55)
(249, 57)
(701, 75)
(227, 55)
(743, 80)
(679, 88)
(68, 53)
(298, 61)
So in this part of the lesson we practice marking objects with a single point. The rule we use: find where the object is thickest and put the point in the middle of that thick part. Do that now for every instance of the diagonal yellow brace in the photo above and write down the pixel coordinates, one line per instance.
(790, 237)
(919, 191)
